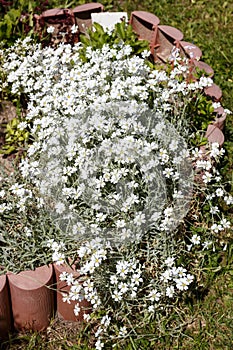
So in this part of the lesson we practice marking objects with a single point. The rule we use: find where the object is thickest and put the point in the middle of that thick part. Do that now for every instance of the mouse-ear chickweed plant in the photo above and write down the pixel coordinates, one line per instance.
(117, 178)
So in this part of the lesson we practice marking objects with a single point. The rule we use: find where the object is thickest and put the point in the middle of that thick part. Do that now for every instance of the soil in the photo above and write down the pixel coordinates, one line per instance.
(7, 113)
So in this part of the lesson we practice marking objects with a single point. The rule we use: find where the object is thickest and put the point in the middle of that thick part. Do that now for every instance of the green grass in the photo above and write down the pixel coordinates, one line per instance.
(209, 25)
(211, 327)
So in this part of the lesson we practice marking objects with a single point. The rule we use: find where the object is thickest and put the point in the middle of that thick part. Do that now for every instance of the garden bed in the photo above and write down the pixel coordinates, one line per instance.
(164, 44)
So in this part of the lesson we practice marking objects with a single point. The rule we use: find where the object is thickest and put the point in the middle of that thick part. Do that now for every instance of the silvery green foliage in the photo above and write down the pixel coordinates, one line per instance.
(106, 175)
(115, 175)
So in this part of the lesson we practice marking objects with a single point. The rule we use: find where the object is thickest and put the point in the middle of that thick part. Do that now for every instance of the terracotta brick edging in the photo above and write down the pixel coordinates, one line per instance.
(32, 301)
(162, 40)
(28, 300)
(5, 308)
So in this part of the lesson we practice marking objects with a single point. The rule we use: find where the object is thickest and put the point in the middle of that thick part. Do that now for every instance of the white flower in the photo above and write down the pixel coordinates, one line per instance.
(206, 245)
(100, 217)
(122, 268)
(207, 177)
(120, 223)
(63, 276)
(195, 239)
(154, 295)
(60, 207)
(169, 261)
(166, 275)
(69, 279)
(98, 332)
(77, 309)
(214, 228)
(86, 317)
(189, 278)
(216, 151)
(182, 283)
(168, 172)
(136, 279)
(117, 295)
(219, 192)
(66, 298)
(82, 251)
(113, 279)
(76, 291)
(168, 212)
(217, 178)
(225, 223)
(145, 53)
(74, 29)
(178, 194)
(216, 104)
(123, 331)
(123, 287)
(28, 232)
(22, 125)
(50, 29)
(151, 308)
(105, 321)
(96, 260)
(18, 189)
(210, 196)
(88, 285)
(170, 291)
(59, 258)
(214, 210)
(228, 200)
(163, 155)
(179, 271)
(139, 219)
(3, 208)
(133, 294)
(99, 345)
(227, 111)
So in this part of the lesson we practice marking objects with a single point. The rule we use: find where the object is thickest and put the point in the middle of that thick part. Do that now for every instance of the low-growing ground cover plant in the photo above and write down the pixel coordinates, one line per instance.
(105, 164)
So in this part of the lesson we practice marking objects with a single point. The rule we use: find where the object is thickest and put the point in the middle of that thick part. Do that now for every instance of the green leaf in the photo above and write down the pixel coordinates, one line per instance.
(120, 30)
(7, 150)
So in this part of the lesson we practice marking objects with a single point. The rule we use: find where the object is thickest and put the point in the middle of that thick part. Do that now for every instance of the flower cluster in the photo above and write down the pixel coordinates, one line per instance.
(25, 225)
(116, 176)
